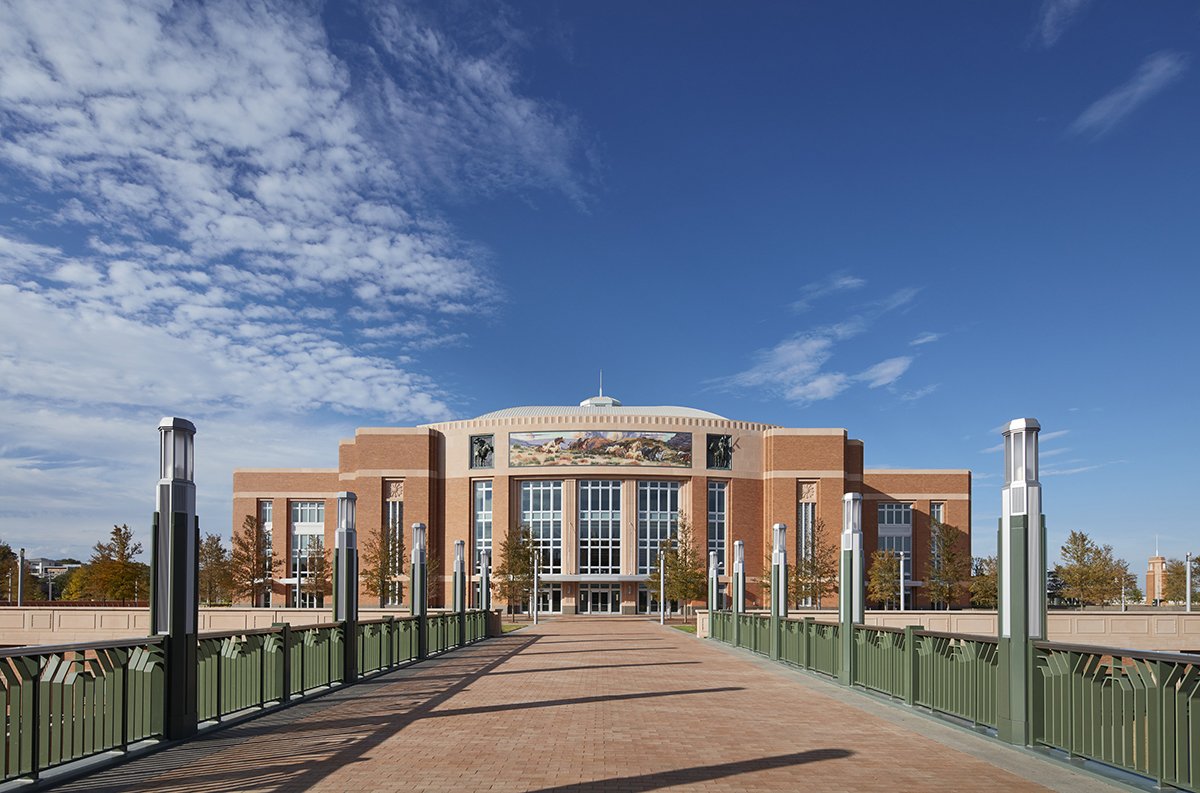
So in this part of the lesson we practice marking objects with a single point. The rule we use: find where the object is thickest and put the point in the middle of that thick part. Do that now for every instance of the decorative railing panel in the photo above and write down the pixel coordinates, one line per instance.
(67, 702)
(957, 675)
(1139, 711)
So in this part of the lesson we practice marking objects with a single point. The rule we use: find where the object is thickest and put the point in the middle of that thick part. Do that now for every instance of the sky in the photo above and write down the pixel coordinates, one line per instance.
(286, 220)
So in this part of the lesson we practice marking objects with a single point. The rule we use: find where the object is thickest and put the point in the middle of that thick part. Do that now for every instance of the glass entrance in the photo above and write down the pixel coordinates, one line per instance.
(599, 599)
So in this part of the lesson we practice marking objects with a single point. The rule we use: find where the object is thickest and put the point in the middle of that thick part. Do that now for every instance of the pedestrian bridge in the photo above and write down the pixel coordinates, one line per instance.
(585, 704)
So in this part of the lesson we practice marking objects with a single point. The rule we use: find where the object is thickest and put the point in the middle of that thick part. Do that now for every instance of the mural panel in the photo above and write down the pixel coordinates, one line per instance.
(596, 447)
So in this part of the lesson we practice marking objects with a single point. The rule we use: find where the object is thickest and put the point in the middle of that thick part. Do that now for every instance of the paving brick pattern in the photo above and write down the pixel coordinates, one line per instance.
(575, 704)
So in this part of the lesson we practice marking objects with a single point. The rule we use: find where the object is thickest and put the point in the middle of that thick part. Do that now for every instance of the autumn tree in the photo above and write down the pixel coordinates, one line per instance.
(382, 564)
(949, 563)
(1175, 580)
(10, 561)
(113, 574)
(216, 577)
(316, 572)
(984, 583)
(252, 563)
(883, 578)
(514, 573)
(1083, 569)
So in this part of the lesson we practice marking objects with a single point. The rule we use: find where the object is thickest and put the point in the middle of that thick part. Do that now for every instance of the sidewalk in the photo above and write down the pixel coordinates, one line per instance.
(587, 704)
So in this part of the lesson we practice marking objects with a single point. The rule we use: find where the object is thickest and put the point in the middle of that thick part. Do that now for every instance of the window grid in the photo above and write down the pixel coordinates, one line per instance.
(599, 527)
(304, 548)
(899, 544)
(806, 523)
(308, 512)
(658, 512)
(937, 511)
(483, 522)
(716, 522)
(899, 515)
(393, 589)
(541, 513)
(265, 511)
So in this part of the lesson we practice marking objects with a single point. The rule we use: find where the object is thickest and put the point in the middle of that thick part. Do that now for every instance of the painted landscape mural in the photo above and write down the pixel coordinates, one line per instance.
(592, 447)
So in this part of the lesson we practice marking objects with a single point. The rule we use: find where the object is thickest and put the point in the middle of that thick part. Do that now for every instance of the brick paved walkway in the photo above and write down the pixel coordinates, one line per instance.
(590, 704)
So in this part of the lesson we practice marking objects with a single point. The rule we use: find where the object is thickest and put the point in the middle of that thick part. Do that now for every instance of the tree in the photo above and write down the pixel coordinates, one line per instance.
(686, 569)
(948, 563)
(252, 564)
(1087, 570)
(1054, 585)
(10, 561)
(383, 563)
(316, 572)
(216, 577)
(815, 573)
(984, 581)
(114, 575)
(518, 557)
(883, 578)
(1175, 580)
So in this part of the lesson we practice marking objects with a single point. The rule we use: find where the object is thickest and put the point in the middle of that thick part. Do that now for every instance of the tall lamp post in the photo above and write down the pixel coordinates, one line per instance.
(419, 585)
(345, 582)
(779, 586)
(850, 582)
(1187, 574)
(174, 573)
(1022, 584)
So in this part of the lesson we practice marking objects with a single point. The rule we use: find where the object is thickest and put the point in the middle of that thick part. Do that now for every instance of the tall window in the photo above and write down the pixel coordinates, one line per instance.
(308, 541)
(716, 522)
(483, 522)
(541, 513)
(658, 511)
(599, 527)
(895, 532)
(806, 523)
(937, 511)
(392, 587)
(265, 517)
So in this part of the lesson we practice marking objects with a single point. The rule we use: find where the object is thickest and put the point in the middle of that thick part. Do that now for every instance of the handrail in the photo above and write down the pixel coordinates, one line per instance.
(1119, 652)
(230, 634)
(54, 649)
(970, 637)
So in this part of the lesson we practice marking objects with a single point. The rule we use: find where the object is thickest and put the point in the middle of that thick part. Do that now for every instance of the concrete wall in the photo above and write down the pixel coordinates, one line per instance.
(1166, 631)
(47, 625)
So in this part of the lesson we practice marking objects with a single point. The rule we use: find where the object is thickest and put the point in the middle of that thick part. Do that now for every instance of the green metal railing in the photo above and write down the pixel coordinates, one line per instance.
(1136, 710)
(67, 702)
(957, 675)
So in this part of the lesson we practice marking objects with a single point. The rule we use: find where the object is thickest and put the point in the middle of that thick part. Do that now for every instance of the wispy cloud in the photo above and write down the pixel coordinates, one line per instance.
(925, 338)
(999, 447)
(232, 215)
(792, 368)
(836, 282)
(1156, 73)
(1054, 18)
(1047, 436)
(912, 396)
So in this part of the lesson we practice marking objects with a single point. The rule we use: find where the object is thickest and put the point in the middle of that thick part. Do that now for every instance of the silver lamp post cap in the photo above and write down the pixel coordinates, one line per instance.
(175, 423)
(1018, 425)
(780, 530)
(347, 495)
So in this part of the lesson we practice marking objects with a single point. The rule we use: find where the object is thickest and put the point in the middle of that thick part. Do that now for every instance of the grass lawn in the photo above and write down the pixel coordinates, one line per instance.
(685, 628)
(509, 627)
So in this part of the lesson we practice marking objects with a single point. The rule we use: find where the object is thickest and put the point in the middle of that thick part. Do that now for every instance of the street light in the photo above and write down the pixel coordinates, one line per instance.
(1187, 572)
(901, 554)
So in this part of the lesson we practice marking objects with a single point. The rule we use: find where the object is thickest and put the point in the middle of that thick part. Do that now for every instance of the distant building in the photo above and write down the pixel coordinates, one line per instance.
(1155, 579)
(601, 486)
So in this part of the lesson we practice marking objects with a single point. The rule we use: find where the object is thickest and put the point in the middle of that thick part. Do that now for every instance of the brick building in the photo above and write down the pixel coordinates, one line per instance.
(600, 486)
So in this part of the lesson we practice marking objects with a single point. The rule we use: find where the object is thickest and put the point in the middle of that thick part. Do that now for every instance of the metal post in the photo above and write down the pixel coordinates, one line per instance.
(174, 611)
(739, 590)
(779, 586)
(850, 583)
(1022, 580)
(537, 585)
(420, 589)
(21, 579)
(901, 575)
(713, 580)
(460, 589)
(662, 589)
(1187, 571)
(345, 583)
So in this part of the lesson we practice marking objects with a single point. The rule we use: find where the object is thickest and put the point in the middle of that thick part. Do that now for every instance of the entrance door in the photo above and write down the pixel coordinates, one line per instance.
(599, 598)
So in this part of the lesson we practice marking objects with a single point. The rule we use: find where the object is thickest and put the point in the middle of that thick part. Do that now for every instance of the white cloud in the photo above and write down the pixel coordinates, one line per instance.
(792, 369)
(925, 338)
(1156, 73)
(1054, 18)
(259, 205)
(912, 396)
(999, 447)
(885, 372)
(1045, 436)
(835, 282)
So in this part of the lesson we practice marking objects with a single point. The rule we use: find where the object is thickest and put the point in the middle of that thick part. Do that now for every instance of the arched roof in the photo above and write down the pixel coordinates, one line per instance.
(582, 410)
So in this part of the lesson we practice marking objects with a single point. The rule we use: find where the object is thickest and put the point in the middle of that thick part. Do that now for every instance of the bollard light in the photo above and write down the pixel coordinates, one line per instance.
(418, 543)
(459, 553)
(345, 566)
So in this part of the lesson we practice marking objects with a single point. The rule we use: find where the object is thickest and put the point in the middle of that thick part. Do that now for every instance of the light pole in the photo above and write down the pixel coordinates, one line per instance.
(901, 554)
(1187, 574)
(21, 580)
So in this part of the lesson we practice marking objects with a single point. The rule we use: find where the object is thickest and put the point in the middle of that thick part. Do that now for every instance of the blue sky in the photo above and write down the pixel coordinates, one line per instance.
(284, 221)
